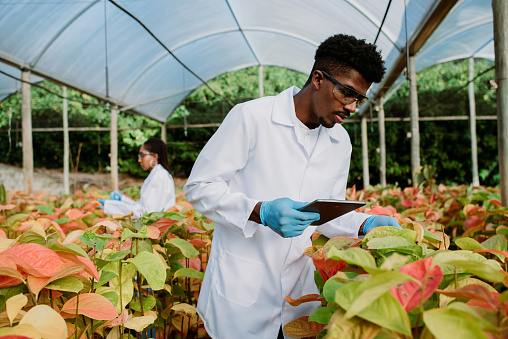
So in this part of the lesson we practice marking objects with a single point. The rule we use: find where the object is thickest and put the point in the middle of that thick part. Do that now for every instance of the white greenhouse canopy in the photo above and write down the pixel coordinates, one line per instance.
(149, 55)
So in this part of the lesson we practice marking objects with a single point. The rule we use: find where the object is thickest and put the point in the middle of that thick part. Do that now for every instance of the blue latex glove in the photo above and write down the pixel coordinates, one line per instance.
(379, 220)
(115, 195)
(283, 217)
(102, 203)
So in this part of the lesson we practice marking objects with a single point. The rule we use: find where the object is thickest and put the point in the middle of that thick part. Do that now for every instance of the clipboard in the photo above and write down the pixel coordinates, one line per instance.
(330, 209)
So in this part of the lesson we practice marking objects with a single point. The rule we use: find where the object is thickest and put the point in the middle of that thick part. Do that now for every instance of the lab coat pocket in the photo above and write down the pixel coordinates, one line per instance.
(239, 279)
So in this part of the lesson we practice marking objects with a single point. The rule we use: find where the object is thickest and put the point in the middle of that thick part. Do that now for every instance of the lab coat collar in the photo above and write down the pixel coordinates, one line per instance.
(284, 112)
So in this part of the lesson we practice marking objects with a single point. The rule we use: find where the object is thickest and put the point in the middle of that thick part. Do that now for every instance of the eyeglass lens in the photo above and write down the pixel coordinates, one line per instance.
(347, 96)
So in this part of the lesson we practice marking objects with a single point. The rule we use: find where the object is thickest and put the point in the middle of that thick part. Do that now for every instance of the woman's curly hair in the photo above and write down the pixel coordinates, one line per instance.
(339, 53)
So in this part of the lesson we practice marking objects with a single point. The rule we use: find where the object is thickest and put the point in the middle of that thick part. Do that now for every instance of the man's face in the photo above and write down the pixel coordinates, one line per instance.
(328, 108)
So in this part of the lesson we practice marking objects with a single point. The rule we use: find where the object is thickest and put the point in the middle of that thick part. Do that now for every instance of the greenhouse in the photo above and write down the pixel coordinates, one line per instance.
(88, 82)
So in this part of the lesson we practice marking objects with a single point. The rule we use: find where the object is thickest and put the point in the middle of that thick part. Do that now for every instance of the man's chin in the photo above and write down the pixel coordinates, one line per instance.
(326, 124)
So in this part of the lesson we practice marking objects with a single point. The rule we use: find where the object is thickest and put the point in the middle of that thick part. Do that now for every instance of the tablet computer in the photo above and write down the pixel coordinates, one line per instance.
(330, 209)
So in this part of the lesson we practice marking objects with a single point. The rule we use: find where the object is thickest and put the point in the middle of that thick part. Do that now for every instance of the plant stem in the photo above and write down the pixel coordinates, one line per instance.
(76, 321)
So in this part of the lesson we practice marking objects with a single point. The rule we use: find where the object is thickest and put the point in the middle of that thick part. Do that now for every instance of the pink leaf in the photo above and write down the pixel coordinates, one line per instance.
(35, 259)
(79, 260)
(92, 305)
(195, 230)
(409, 294)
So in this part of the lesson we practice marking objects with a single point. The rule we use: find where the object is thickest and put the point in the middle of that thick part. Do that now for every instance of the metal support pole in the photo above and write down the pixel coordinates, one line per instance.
(260, 81)
(415, 130)
(65, 118)
(164, 132)
(26, 123)
(114, 147)
(500, 11)
(365, 153)
(382, 143)
(472, 125)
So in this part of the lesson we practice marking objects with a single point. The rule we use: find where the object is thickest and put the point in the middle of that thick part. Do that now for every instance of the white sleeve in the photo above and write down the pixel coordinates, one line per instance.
(119, 207)
(208, 189)
(349, 224)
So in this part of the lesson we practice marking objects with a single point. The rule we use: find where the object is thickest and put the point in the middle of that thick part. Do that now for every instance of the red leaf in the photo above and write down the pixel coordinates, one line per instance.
(195, 230)
(153, 232)
(79, 260)
(409, 294)
(474, 292)
(388, 210)
(472, 221)
(164, 223)
(14, 336)
(36, 259)
(305, 299)
(74, 214)
(303, 328)
(92, 305)
(491, 250)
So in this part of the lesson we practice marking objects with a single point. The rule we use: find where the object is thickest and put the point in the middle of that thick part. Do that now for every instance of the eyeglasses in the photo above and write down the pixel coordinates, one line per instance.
(346, 95)
(142, 154)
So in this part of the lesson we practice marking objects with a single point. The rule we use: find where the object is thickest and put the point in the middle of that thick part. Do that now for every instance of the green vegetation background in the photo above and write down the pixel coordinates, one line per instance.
(442, 91)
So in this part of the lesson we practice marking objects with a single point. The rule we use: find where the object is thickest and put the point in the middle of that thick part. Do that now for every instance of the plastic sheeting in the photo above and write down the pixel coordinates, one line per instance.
(149, 55)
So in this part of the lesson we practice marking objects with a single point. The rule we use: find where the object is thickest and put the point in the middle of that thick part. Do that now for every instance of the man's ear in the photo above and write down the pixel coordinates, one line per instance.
(317, 78)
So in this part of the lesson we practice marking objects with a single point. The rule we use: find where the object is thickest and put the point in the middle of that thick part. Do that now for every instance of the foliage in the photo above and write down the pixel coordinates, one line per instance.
(67, 271)
(445, 145)
(443, 273)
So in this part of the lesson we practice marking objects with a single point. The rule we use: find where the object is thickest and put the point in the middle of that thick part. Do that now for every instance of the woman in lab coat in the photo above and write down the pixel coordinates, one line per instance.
(158, 190)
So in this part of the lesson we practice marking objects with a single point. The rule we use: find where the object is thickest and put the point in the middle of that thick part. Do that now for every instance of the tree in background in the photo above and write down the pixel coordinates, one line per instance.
(442, 91)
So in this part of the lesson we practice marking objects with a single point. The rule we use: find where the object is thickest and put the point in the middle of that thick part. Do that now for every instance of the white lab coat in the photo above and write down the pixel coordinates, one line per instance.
(157, 194)
(254, 156)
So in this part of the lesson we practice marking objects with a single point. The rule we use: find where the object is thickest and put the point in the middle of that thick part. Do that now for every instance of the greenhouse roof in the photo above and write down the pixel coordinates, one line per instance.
(149, 55)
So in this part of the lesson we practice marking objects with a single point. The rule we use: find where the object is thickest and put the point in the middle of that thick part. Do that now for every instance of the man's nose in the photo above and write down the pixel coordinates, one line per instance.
(350, 107)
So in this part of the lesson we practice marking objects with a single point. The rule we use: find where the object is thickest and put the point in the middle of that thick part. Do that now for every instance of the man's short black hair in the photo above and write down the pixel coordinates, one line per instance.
(339, 53)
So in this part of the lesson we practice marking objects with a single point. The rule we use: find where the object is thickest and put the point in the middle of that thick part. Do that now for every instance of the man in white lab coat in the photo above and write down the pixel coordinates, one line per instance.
(268, 158)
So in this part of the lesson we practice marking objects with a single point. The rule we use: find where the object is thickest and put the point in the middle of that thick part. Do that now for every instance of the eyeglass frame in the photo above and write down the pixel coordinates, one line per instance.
(142, 154)
(336, 82)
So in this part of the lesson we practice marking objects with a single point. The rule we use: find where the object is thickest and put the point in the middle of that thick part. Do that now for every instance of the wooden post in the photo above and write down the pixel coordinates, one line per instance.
(26, 124)
(500, 11)
(382, 143)
(260, 81)
(114, 147)
(415, 130)
(65, 118)
(365, 153)
(472, 125)
(164, 132)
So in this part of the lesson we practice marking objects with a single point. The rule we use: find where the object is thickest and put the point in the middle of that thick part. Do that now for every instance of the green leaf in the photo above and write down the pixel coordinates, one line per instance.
(391, 242)
(69, 248)
(3, 194)
(148, 303)
(117, 256)
(496, 242)
(379, 232)
(127, 234)
(189, 273)
(66, 284)
(91, 240)
(467, 243)
(353, 255)
(373, 288)
(49, 210)
(151, 267)
(322, 315)
(188, 250)
(442, 322)
(32, 237)
(2, 298)
(431, 236)
(329, 289)
(385, 311)
(105, 277)
(111, 296)
(16, 217)
(481, 270)
(62, 221)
